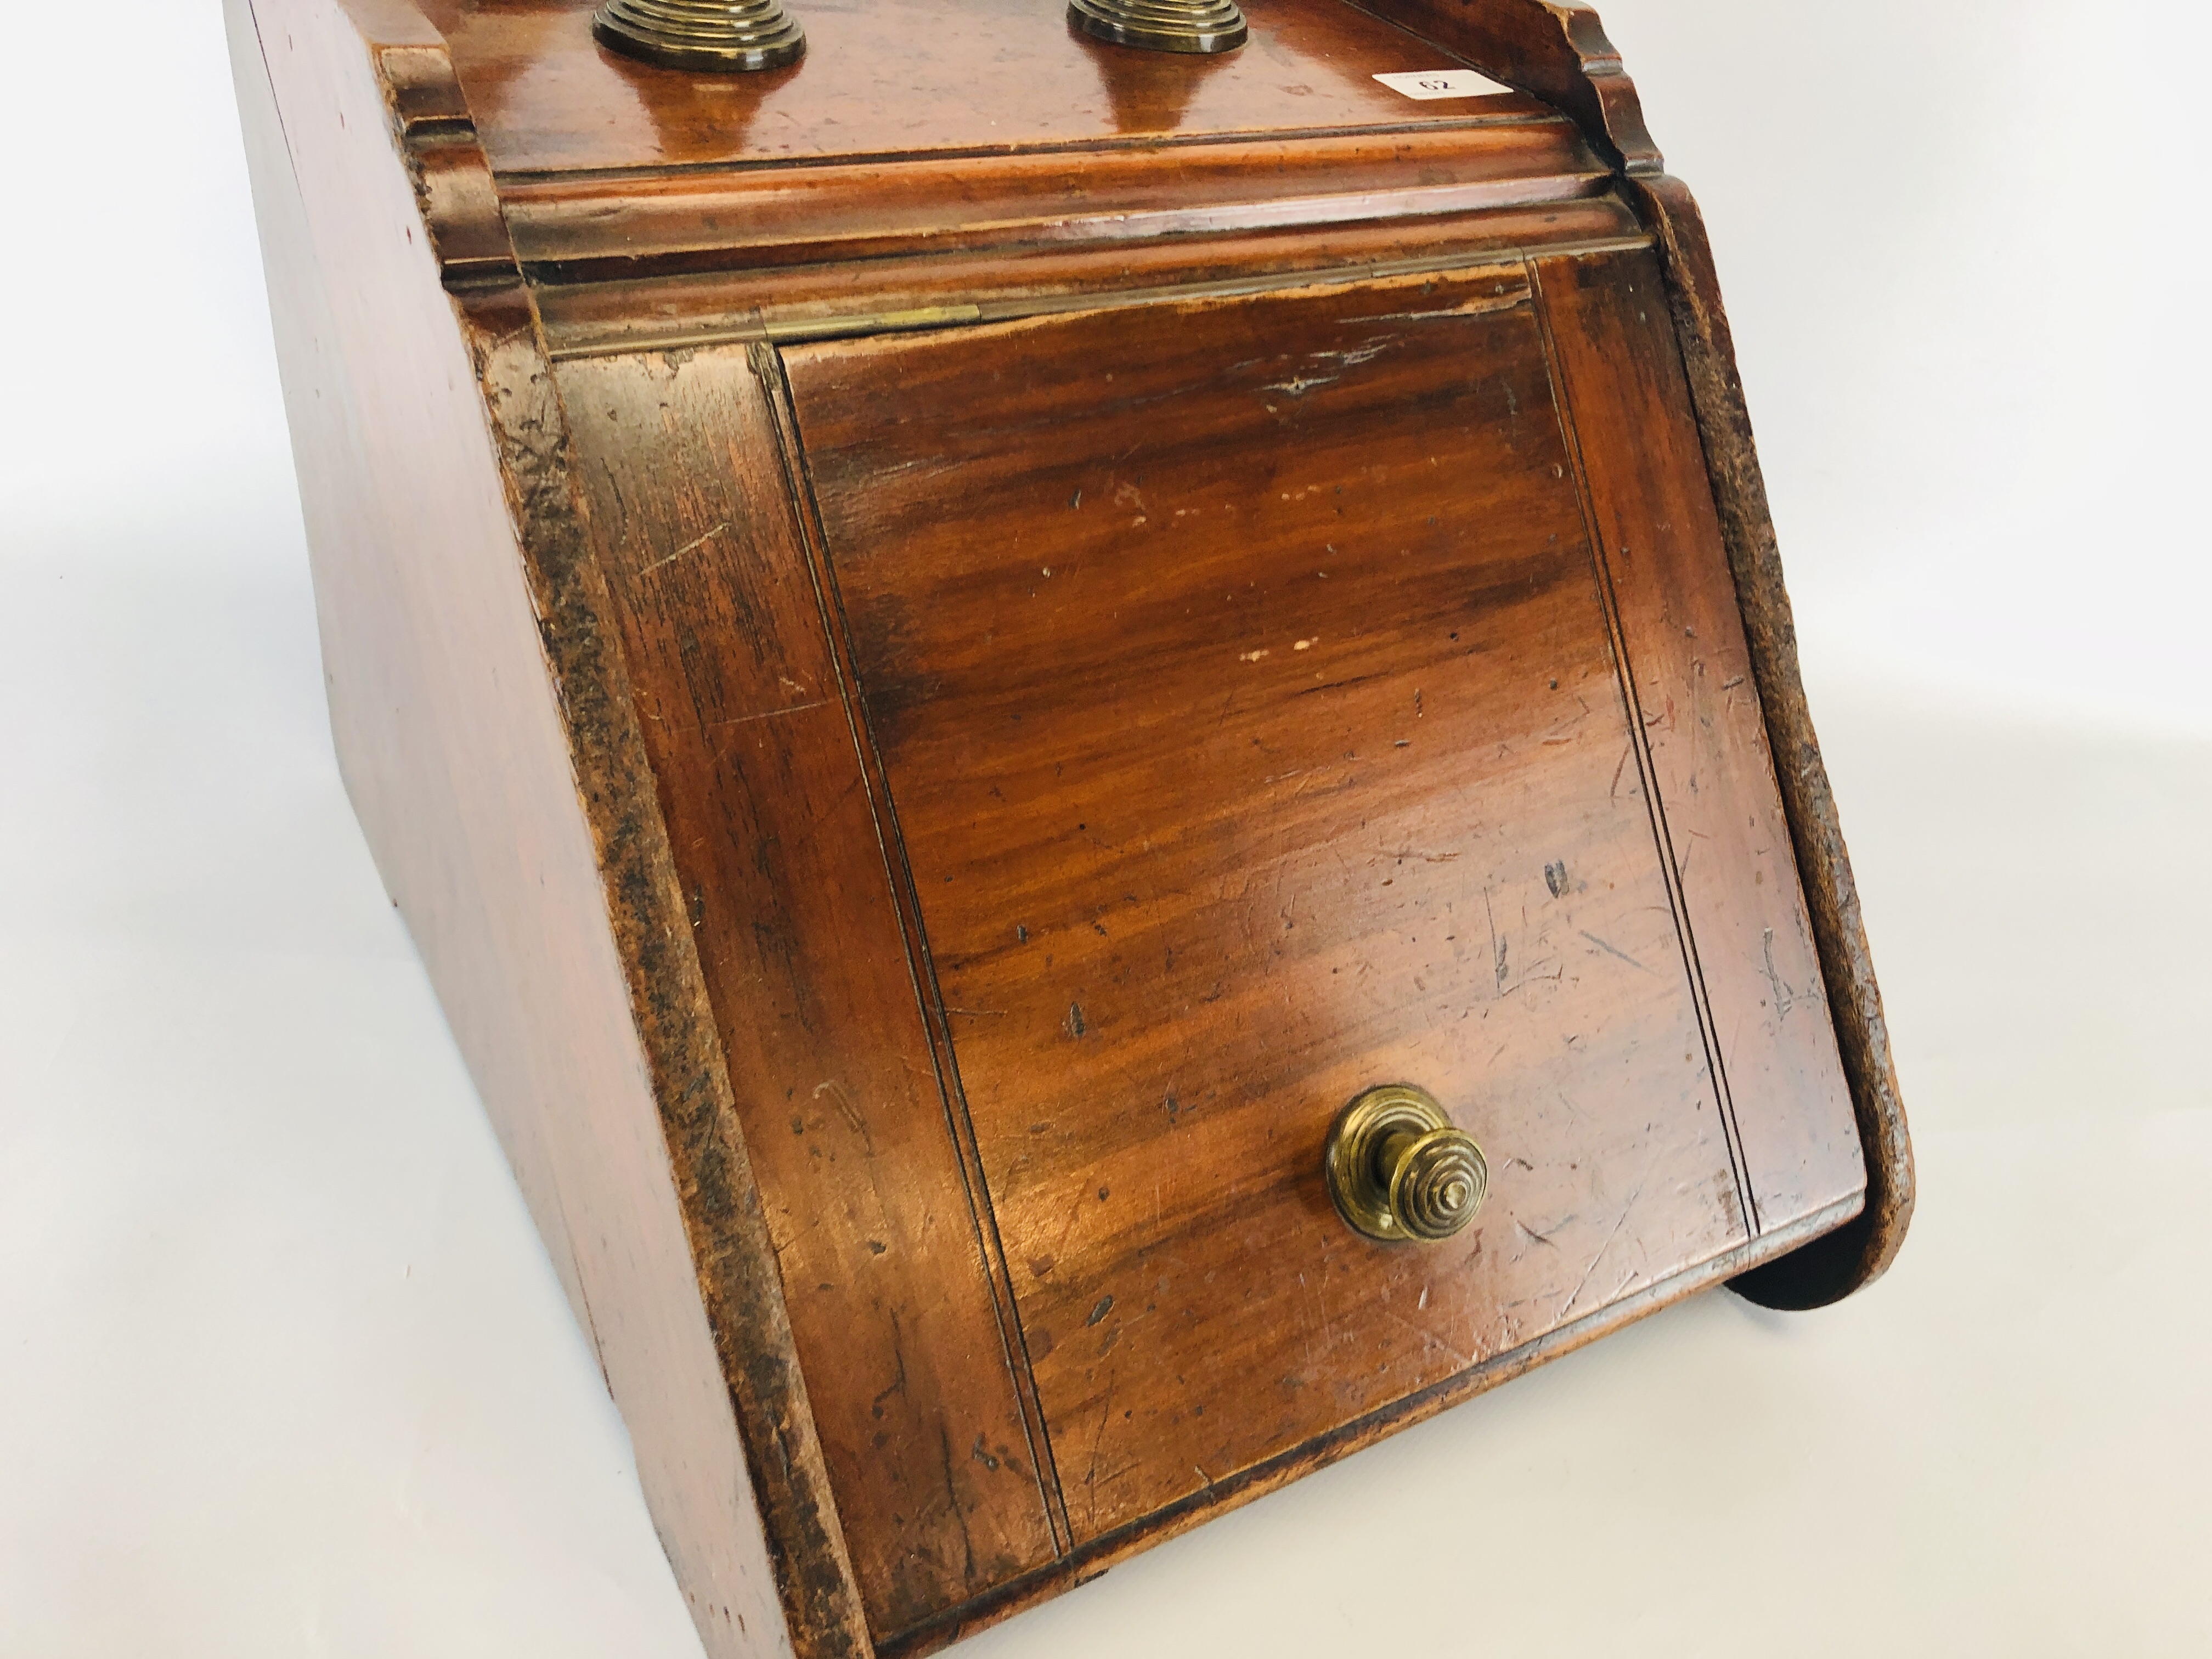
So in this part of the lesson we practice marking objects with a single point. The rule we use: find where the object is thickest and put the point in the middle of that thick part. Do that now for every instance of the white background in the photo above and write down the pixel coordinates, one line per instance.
(283, 1370)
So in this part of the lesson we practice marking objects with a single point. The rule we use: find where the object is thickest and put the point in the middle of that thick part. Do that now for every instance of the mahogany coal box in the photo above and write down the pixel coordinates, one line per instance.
(1098, 749)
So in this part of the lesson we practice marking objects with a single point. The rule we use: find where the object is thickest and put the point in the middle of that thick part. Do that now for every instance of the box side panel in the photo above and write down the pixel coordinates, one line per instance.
(455, 754)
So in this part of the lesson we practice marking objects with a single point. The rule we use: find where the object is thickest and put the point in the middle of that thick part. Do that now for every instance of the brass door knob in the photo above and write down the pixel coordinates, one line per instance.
(1399, 1169)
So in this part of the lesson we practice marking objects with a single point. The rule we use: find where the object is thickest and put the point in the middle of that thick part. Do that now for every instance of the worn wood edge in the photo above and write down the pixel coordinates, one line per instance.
(739, 1278)
(1092, 1559)
(568, 345)
(1854, 1257)
(574, 232)
(641, 258)
(1555, 49)
(737, 1274)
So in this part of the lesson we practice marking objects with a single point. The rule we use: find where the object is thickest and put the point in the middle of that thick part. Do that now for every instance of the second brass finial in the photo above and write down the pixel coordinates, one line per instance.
(702, 35)
(1195, 25)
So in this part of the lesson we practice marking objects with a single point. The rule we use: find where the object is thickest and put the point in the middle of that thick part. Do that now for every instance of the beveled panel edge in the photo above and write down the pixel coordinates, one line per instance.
(1639, 736)
(1850, 1258)
(768, 365)
(697, 532)
(1750, 933)
(1092, 1559)
(716, 1190)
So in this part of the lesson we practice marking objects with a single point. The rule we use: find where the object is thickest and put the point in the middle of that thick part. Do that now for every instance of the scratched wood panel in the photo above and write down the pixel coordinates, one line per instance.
(1684, 641)
(806, 963)
(1243, 685)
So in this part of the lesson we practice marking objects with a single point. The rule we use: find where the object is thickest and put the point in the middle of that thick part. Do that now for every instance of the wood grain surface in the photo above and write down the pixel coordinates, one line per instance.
(919, 833)
(1254, 738)
(495, 801)
(866, 1203)
(941, 289)
(905, 76)
(568, 227)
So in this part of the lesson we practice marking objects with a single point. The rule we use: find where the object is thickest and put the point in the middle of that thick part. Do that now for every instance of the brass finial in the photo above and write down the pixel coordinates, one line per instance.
(702, 35)
(1203, 26)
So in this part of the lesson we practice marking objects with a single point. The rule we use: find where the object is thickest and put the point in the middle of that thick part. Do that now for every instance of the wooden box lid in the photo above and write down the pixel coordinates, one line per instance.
(896, 79)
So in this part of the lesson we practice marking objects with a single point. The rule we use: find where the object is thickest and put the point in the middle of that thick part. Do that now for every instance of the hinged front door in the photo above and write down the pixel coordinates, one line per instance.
(1243, 679)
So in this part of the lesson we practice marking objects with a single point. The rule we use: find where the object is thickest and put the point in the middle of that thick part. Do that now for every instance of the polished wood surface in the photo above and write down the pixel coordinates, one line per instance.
(759, 219)
(904, 77)
(837, 1092)
(1177, 918)
(951, 288)
(947, 650)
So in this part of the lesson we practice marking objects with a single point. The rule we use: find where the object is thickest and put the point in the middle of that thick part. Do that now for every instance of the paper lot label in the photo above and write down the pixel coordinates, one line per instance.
(1443, 83)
